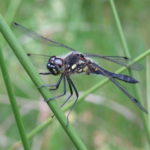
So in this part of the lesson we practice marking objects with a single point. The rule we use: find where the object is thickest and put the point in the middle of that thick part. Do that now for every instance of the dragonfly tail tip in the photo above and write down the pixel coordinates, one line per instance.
(28, 54)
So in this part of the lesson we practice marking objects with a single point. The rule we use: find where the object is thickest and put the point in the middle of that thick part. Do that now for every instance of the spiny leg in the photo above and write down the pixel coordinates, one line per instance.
(54, 85)
(77, 95)
(64, 79)
(71, 93)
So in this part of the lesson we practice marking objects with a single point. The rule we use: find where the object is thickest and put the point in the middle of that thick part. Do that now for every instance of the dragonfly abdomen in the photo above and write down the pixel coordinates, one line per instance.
(125, 78)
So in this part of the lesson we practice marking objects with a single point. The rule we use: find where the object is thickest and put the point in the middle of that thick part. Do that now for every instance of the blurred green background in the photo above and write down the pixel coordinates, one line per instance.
(107, 119)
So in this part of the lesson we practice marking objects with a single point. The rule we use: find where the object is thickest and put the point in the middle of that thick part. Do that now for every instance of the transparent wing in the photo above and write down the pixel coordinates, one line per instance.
(40, 38)
(134, 100)
(124, 61)
(39, 60)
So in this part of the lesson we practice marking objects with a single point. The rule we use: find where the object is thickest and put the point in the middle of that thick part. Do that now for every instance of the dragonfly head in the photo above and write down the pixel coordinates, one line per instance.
(55, 65)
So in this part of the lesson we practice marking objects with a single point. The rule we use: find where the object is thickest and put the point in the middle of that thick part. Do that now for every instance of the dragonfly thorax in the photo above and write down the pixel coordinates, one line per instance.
(55, 65)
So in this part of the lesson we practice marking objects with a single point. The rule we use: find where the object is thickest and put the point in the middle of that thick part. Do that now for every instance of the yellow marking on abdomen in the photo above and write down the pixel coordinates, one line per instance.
(73, 66)
(85, 68)
(80, 70)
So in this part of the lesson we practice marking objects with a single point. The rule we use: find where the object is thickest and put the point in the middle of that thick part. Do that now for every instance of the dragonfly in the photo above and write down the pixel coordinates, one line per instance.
(75, 62)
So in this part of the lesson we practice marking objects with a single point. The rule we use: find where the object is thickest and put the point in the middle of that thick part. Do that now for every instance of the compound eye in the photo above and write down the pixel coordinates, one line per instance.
(58, 62)
(52, 58)
(49, 65)
(53, 69)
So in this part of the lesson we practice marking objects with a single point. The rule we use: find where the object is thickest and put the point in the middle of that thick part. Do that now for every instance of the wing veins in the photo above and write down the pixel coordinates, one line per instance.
(43, 39)
(121, 60)
(134, 100)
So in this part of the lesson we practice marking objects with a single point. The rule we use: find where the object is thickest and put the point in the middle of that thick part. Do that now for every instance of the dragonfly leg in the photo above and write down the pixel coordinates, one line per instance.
(71, 93)
(53, 98)
(56, 86)
(53, 85)
(77, 95)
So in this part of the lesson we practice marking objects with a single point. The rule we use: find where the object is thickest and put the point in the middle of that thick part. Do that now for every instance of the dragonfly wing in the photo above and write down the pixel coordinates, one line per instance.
(121, 60)
(40, 61)
(40, 38)
(134, 100)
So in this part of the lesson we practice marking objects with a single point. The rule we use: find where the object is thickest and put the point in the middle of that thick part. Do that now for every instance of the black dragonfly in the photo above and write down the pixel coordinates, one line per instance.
(75, 63)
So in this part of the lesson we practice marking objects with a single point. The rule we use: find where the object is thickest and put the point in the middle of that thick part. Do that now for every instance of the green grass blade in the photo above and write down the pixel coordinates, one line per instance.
(123, 40)
(13, 102)
(26, 63)
(148, 88)
(127, 53)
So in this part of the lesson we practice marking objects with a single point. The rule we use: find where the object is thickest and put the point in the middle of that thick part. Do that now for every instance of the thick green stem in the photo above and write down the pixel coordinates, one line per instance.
(13, 102)
(26, 63)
